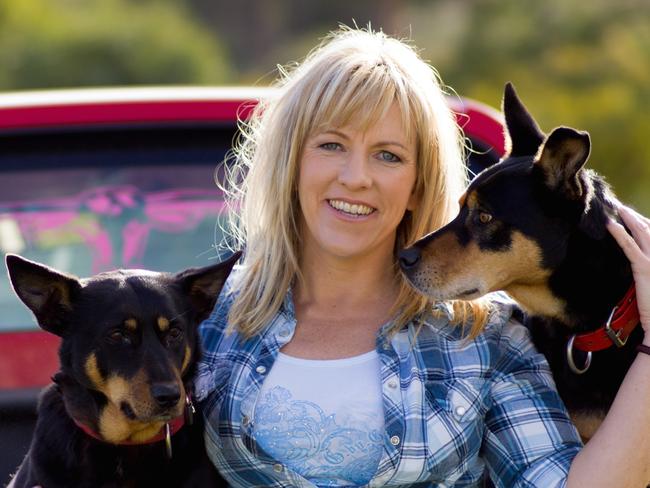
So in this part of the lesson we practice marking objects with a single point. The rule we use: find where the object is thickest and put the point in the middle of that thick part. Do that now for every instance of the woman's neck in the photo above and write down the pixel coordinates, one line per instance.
(330, 283)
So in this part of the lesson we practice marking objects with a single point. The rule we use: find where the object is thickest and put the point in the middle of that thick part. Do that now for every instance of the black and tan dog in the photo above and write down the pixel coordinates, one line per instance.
(117, 412)
(534, 225)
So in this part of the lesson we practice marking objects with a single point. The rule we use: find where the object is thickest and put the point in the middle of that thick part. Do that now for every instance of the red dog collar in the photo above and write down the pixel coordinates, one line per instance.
(172, 426)
(165, 434)
(622, 321)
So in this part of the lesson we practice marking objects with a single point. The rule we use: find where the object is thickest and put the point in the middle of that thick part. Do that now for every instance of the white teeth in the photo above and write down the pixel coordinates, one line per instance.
(351, 209)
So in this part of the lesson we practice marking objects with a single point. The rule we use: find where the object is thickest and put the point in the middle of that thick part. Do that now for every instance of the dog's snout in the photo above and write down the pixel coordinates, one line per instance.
(166, 394)
(409, 257)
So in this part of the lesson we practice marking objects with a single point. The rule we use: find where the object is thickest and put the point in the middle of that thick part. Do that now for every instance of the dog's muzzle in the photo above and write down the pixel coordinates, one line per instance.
(409, 258)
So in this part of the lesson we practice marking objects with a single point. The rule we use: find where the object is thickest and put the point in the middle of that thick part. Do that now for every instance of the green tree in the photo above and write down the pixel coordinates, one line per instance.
(582, 64)
(64, 43)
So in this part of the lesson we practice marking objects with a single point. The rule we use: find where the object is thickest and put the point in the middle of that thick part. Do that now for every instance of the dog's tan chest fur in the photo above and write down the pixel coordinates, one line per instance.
(587, 423)
(537, 299)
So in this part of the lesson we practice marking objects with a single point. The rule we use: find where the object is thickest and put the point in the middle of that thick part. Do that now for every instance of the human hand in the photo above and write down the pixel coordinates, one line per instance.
(637, 249)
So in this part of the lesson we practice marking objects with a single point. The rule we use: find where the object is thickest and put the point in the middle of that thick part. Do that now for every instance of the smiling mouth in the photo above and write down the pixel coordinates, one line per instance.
(352, 209)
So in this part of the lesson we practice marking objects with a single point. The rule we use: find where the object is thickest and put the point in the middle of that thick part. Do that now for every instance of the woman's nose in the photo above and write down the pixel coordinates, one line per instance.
(355, 172)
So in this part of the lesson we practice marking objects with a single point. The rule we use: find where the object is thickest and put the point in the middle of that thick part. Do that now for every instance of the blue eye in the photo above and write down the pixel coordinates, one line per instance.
(330, 146)
(388, 157)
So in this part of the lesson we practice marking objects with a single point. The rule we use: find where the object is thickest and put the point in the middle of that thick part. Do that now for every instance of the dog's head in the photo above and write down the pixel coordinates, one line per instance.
(129, 337)
(515, 219)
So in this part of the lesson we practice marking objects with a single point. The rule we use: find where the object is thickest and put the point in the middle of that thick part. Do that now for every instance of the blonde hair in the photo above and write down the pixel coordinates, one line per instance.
(353, 73)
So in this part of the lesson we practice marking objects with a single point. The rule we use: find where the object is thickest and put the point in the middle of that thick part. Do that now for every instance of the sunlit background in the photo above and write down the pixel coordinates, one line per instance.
(584, 64)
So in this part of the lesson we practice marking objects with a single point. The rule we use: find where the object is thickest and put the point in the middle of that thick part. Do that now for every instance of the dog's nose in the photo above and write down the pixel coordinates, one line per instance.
(166, 394)
(409, 257)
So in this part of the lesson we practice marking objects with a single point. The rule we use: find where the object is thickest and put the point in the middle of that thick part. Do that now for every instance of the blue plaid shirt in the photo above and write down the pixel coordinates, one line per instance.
(455, 410)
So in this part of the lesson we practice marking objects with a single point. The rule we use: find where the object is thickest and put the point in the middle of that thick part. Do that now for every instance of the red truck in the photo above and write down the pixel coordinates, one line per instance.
(98, 179)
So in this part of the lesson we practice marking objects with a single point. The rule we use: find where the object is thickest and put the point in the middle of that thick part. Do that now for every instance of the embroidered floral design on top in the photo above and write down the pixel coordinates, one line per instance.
(329, 451)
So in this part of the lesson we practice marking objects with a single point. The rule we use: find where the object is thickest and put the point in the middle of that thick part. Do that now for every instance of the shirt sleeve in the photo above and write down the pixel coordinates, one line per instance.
(529, 439)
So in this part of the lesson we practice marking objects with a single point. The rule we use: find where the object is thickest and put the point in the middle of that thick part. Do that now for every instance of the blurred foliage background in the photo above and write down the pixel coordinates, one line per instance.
(577, 63)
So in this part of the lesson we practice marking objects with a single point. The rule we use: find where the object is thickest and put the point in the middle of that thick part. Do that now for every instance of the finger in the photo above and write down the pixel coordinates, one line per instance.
(638, 226)
(634, 212)
(641, 217)
(626, 241)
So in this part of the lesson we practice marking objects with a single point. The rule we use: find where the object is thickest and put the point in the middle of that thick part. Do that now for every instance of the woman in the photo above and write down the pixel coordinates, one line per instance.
(322, 367)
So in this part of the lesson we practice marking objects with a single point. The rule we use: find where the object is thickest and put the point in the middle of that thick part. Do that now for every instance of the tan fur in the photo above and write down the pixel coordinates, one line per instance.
(472, 200)
(65, 294)
(505, 268)
(186, 359)
(113, 424)
(554, 160)
(117, 389)
(131, 324)
(538, 299)
(92, 371)
(163, 324)
(37, 300)
(587, 423)
(115, 427)
(134, 391)
(448, 269)
(525, 247)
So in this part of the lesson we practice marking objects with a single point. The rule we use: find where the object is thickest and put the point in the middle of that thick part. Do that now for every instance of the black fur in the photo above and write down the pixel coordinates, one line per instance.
(91, 317)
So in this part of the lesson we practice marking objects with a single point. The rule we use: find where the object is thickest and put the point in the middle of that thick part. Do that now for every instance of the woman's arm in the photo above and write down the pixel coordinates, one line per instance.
(619, 452)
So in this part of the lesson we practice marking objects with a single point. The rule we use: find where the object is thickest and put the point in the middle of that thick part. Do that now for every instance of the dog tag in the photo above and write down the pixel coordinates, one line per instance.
(189, 410)
(168, 441)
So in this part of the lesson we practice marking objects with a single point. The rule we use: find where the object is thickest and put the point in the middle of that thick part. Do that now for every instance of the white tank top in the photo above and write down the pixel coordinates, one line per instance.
(323, 419)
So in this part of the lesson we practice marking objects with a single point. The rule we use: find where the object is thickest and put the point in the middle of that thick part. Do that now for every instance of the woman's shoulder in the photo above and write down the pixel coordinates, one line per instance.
(503, 315)
(503, 342)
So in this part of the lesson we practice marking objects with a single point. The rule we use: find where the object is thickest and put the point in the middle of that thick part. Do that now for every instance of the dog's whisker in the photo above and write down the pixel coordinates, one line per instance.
(180, 315)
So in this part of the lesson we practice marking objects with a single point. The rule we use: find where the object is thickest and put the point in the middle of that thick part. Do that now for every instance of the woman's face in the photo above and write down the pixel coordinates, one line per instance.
(355, 186)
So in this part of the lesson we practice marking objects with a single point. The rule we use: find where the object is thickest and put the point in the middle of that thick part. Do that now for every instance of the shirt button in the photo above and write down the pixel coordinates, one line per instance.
(386, 346)
(284, 332)
(278, 468)
(392, 384)
(261, 369)
(460, 411)
(245, 420)
(394, 440)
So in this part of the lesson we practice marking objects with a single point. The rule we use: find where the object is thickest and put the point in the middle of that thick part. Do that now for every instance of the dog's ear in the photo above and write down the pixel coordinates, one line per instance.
(523, 135)
(203, 285)
(48, 293)
(562, 157)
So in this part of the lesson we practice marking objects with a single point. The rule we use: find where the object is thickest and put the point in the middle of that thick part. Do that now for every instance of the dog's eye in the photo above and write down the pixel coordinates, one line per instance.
(118, 336)
(484, 217)
(175, 334)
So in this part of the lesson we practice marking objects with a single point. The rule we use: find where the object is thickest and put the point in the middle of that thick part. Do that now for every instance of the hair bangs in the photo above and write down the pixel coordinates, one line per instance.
(361, 98)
